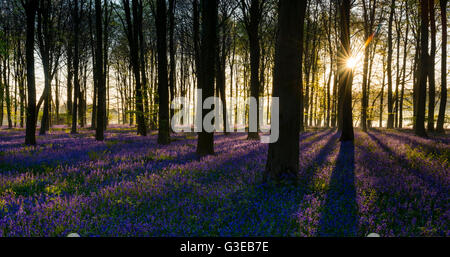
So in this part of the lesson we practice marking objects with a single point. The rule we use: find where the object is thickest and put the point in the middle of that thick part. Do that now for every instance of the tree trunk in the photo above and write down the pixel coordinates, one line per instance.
(431, 66)
(424, 58)
(172, 70)
(30, 10)
(390, 123)
(143, 65)
(382, 95)
(346, 75)
(106, 65)
(282, 159)
(69, 79)
(133, 41)
(7, 91)
(443, 102)
(163, 86)
(99, 131)
(209, 9)
(76, 64)
(255, 56)
(405, 56)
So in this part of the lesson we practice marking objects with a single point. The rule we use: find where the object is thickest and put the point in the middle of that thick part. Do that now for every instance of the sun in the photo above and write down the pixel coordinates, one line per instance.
(351, 62)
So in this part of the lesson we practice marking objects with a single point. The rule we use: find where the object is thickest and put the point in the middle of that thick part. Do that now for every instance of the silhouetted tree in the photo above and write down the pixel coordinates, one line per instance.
(431, 67)
(30, 7)
(282, 159)
(345, 74)
(163, 86)
(252, 13)
(421, 93)
(443, 102)
(101, 102)
(208, 46)
(390, 122)
(77, 13)
(132, 32)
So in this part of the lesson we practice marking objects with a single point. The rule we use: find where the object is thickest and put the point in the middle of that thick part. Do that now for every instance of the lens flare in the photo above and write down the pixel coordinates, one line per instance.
(351, 62)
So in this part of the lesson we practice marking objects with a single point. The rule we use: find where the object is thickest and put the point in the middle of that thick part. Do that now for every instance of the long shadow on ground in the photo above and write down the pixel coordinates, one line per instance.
(259, 209)
(340, 214)
(428, 178)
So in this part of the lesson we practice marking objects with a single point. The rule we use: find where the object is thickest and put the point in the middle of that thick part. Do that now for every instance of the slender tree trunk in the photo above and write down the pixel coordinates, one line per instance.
(95, 80)
(390, 123)
(99, 131)
(76, 64)
(163, 86)
(443, 102)
(7, 91)
(397, 78)
(255, 56)
(1, 95)
(133, 41)
(423, 74)
(172, 70)
(106, 64)
(30, 10)
(143, 64)
(69, 79)
(364, 87)
(382, 95)
(431, 67)
(405, 56)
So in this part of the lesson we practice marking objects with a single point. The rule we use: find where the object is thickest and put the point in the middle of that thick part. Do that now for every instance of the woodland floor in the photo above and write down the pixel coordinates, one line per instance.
(389, 182)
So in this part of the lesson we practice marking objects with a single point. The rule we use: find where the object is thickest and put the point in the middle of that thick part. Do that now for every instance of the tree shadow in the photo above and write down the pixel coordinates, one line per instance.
(321, 156)
(413, 139)
(420, 173)
(266, 209)
(339, 216)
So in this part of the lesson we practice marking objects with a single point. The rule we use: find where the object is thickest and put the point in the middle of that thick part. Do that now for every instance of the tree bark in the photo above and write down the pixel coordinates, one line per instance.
(163, 86)
(443, 102)
(405, 56)
(252, 21)
(431, 66)
(423, 74)
(173, 66)
(282, 160)
(76, 64)
(30, 10)
(346, 75)
(209, 9)
(101, 94)
(390, 123)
